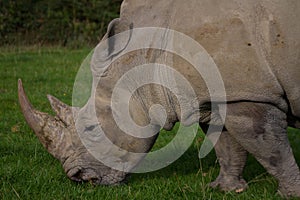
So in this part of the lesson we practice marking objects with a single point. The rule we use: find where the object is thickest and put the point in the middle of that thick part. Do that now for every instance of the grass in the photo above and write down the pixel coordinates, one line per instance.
(27, 171)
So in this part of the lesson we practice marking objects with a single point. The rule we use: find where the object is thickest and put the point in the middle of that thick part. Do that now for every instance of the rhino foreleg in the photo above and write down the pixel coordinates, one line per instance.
(261, 130)
(232, 159)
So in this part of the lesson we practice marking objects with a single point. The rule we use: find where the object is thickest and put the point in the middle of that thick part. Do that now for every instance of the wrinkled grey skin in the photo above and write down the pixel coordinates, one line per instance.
(256, 47)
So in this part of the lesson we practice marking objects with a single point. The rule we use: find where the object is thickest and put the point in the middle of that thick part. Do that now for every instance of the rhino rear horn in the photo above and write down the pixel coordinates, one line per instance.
(47, 128)
(67, 114)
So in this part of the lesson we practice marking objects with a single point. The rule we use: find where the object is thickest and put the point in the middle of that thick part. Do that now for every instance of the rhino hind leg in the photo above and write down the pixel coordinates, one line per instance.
(232, 159)
(261, 130)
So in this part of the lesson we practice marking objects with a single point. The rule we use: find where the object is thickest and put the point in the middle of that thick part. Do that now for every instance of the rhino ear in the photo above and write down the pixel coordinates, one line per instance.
(67, 114)
(117, 43)
(111, 45)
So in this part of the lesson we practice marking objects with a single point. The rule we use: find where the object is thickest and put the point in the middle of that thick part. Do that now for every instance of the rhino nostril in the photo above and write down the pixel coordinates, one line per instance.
(79, 174)
(76, 175)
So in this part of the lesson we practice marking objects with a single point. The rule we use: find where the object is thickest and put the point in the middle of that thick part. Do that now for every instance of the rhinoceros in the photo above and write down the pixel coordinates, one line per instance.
(256, 48)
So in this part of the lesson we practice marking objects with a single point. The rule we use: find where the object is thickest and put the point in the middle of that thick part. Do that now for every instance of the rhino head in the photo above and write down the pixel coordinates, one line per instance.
(59, 136)
(103, 155)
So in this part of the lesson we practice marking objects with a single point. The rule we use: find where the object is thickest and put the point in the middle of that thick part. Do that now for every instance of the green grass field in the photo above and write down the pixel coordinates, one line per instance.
(27, 171)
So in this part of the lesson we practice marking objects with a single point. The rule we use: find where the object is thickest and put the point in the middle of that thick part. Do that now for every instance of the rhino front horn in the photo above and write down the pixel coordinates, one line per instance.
(49, 129)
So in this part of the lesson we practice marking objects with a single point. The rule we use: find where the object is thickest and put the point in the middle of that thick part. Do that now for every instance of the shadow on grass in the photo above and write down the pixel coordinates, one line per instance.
(189, 164)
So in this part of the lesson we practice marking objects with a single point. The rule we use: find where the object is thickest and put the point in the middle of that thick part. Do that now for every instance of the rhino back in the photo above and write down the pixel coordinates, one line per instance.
(254, 44)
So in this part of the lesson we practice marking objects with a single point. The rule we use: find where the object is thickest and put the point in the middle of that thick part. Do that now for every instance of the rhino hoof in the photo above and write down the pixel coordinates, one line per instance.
(226, 184)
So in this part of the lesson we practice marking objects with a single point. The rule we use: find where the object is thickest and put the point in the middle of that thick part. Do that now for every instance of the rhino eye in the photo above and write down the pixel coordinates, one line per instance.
(89, 128)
